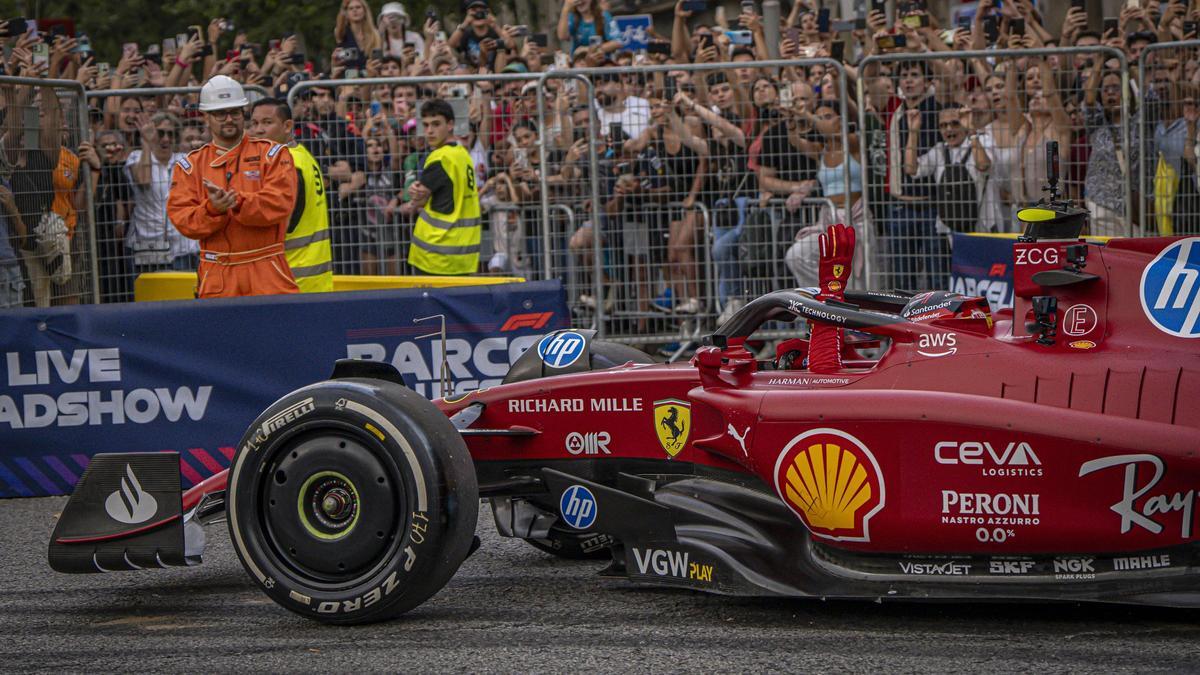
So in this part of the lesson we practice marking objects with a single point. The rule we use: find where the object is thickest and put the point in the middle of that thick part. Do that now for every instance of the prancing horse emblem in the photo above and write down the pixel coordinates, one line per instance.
(672, 424)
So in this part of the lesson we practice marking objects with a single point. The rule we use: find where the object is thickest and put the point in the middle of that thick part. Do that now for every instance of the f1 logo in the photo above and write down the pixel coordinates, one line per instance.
(1170, 295)
(534, 320)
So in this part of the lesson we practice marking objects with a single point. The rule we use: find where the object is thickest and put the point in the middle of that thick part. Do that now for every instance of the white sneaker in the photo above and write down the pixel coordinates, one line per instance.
(689, 306)
(731, 308)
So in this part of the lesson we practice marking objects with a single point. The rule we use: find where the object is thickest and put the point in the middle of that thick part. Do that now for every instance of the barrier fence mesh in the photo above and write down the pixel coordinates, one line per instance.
(46, 228)
(665, 196)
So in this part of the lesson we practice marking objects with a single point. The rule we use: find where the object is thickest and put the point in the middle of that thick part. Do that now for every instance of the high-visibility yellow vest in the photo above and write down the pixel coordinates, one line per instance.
(307, 245)
(448, 243)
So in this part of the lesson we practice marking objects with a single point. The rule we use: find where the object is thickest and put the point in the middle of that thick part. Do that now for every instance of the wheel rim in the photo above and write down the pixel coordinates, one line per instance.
(332, 504)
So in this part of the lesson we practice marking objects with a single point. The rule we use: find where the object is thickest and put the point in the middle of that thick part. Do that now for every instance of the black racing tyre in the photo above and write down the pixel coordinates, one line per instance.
(352, 500)
(564, 542)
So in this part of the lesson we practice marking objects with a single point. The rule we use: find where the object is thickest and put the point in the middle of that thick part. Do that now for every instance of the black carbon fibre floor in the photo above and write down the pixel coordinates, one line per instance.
(512, 608)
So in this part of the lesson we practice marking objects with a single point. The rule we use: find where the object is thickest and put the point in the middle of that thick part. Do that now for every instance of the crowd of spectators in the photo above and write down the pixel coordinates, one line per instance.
(758, 153)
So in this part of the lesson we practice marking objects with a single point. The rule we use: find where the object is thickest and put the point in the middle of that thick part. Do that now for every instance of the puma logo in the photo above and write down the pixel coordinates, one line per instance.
(741, 438)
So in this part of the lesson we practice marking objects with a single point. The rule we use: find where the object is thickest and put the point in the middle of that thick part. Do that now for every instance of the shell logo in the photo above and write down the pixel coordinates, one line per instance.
(832, 482)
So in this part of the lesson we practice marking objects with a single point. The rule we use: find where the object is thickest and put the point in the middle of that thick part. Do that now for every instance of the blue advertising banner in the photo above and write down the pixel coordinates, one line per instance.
(190, 376)
(982, 265)
(632, 30)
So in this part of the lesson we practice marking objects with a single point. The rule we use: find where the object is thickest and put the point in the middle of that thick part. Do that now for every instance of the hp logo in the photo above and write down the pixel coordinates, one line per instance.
(1170, 290)
(560, 350)
(578, 507)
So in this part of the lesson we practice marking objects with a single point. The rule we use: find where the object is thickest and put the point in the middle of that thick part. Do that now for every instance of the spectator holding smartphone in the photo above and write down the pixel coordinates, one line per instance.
(355, 29)
(581, 20)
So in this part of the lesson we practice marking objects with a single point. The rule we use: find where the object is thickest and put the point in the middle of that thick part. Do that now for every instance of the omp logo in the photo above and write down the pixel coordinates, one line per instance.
(998, 270)
(578, 507)
(534, 320)
(937, 344)
(1170, 293)
(560, 350)
(670, 564)
(285, 417)
(591, 443)
(130, 504)
(832, 482)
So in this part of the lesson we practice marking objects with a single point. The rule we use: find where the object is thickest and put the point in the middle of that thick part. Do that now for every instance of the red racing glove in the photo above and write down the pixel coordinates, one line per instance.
(837, 254)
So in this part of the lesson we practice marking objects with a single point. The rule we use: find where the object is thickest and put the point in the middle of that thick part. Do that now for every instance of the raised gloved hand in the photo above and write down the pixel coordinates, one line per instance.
(837, 254)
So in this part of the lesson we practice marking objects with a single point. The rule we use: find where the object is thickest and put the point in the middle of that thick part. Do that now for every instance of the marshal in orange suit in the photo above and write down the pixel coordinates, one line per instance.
(235, 196)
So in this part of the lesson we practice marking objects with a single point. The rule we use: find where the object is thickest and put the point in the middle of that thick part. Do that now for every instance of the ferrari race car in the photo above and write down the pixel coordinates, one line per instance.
(1044, 452)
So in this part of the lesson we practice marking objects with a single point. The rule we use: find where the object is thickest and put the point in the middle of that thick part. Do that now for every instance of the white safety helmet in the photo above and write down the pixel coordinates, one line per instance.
(220, 93)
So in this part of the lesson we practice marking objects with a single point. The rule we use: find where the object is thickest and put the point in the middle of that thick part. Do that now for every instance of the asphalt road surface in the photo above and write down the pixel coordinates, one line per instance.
(513, 608)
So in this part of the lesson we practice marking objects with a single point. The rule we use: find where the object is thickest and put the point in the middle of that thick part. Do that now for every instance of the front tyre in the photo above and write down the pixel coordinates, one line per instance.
(352, 500)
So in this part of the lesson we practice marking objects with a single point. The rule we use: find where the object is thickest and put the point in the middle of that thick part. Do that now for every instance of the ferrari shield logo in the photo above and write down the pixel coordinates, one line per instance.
(672, 423)
(839, 270)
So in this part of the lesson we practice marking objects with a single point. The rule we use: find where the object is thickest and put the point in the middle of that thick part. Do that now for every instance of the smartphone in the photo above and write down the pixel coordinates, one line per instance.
(561, 60)
(351, 74)
(918, 20)
(1079, 4)
(695, 5)
(441, 36)
(1134, 4)
(16, 27)
(169, 46)
(879, 6)
(130, 48)
(748, 7)
(595, 41)
(521, 30)
(376, 108)
(207, 50)
(669, 88)
(1017, 27)
(823, 20)
(103, 69)
(785, 96)
(793, 34)
(740, 37)
(891, 41)
(991, 29)
(273, 44)
(41, 55)
(180, 40)
(658, 47)
(377, 54)
(1189, 28)
(706, 40)
(540, 39)
(614, 132)
(83, 44)
(1110, 26)
(837, 50)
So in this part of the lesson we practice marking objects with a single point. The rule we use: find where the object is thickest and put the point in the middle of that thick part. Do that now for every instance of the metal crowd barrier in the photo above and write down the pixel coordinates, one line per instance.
(1169, 191)
(915, 252)
(58, 270)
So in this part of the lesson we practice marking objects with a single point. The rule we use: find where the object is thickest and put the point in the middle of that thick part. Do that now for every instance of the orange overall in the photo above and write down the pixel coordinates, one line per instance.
(241, 250)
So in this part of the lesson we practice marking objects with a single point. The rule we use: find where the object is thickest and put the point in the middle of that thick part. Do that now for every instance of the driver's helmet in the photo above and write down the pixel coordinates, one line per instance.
(934, 305)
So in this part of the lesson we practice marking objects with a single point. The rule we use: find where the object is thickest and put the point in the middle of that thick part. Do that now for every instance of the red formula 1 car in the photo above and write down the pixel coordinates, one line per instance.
(1048, 452)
